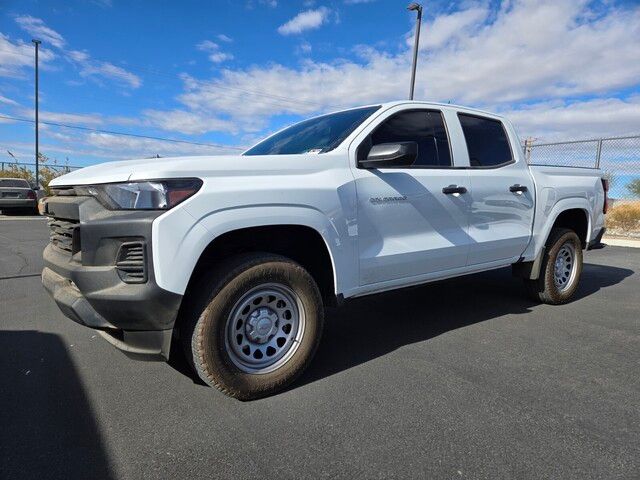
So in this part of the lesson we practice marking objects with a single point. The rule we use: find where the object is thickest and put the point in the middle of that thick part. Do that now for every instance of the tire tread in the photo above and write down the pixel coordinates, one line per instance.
(193, 339)
(543, 289)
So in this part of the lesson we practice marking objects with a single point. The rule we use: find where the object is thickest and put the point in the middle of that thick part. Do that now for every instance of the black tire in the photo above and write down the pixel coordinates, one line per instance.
(545, 289)
(206, 328)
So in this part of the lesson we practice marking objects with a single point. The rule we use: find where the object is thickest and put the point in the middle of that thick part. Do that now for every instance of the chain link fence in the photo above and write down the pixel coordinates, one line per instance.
(48, 171)
(9, 166)
(618, 157)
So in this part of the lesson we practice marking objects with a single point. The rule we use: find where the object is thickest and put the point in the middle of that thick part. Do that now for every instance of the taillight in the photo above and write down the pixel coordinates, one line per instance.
(31, 195)
(605, 187)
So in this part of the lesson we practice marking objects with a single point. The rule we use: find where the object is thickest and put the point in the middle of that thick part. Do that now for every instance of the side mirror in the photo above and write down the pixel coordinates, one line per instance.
(401, 154)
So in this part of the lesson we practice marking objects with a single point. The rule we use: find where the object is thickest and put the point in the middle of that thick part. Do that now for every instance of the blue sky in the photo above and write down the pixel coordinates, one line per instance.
(226, 73)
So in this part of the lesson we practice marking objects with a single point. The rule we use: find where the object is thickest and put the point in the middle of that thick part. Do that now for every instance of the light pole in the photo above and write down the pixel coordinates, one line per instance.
(37, 44)
(417, 8)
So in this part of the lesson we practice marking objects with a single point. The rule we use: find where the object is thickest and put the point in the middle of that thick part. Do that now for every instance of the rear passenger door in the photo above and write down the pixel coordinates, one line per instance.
(408, 228)
(501, 192)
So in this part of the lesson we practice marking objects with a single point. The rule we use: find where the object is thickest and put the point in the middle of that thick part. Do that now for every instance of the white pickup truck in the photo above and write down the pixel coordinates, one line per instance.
(235, 257)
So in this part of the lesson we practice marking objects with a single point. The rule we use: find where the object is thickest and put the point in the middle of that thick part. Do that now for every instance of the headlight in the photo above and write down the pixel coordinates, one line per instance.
(146, 195)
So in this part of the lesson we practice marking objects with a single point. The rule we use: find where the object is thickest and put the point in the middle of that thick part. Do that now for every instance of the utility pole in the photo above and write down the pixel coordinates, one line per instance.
(418, 8)
(37, 44)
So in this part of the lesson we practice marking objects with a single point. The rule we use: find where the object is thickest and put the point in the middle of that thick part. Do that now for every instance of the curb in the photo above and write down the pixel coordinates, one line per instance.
(621, 242)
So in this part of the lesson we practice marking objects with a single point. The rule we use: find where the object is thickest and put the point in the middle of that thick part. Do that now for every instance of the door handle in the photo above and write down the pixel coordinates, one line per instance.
(453, 189)
(517, 188)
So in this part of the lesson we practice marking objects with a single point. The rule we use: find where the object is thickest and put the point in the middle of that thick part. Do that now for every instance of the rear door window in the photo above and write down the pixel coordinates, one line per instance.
(487, 141)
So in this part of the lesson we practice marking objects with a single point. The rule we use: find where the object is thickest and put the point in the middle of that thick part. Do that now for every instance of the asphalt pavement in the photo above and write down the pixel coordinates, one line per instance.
(465, 378)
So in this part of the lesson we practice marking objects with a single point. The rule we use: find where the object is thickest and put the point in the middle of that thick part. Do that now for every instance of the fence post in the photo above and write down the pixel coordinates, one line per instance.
(528, 143)
(598, 153)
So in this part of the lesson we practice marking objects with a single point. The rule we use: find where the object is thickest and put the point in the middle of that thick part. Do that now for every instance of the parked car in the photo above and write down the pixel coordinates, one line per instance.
(234, 257)
(16, 194)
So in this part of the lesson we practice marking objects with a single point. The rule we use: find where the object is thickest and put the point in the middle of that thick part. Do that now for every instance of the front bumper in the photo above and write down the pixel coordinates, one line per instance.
(88, 282)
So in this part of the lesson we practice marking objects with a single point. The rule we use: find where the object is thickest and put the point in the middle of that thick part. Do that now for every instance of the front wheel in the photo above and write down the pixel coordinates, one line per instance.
(259, 327)
(560, 270)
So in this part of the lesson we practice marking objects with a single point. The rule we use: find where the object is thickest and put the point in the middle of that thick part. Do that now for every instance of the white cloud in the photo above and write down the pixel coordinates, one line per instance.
(305, 48)
(187, 122)
(251, 4)
(535, 50)
(78, 55)
(90, 120)
(106, 147)
(15, 57)
(224, 38)
(213, 49)
(98, 69)
(446, 28)
(118, 146)
(8, 101)
(220, 57)
(103, 3)
(37, 28)
(355, 2)
(307, 20)
(207, 46)
(575, 120)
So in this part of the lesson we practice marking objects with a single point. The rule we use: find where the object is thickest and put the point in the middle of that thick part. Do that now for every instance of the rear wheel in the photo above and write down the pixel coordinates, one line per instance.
(258, 328)
(560, 270)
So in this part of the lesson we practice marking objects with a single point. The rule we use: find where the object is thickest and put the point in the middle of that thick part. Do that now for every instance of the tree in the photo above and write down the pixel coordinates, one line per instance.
(634, 187)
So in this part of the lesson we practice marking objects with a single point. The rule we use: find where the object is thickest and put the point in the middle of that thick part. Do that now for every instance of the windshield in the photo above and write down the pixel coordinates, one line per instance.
(13, 183)
(320, 134)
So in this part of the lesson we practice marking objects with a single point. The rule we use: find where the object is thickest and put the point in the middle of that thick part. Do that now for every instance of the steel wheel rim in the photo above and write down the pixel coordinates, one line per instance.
(564, 269)
(265, 328)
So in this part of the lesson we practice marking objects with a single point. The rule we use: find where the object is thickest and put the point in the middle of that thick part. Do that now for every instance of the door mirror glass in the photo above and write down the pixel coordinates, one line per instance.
(401, 154)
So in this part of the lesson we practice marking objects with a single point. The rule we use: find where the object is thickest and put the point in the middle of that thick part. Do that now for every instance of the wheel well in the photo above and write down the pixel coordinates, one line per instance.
(576, 220)
(301, 244)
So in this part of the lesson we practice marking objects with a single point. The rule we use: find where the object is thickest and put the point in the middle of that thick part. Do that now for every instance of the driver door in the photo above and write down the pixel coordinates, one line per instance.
(409, 228)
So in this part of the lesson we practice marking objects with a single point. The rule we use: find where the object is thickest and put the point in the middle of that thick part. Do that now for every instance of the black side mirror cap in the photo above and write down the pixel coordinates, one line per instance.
(401, 154)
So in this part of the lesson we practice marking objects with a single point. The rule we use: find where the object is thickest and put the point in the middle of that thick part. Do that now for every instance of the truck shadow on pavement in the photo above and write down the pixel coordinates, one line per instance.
(369, 327)
(47, 426)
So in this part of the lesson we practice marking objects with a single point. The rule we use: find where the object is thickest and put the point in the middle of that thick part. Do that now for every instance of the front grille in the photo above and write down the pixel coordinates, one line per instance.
(131, 263)
(63, 191)
(64, 234)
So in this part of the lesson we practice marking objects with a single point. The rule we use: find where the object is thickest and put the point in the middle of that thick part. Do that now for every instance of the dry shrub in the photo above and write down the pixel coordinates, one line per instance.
(624, 217)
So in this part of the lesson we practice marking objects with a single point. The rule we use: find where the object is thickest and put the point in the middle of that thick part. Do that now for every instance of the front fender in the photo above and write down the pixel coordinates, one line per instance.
(179, 238)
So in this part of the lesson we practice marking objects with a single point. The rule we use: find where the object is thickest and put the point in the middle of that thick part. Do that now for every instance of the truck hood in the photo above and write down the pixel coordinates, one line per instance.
(199, 167)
